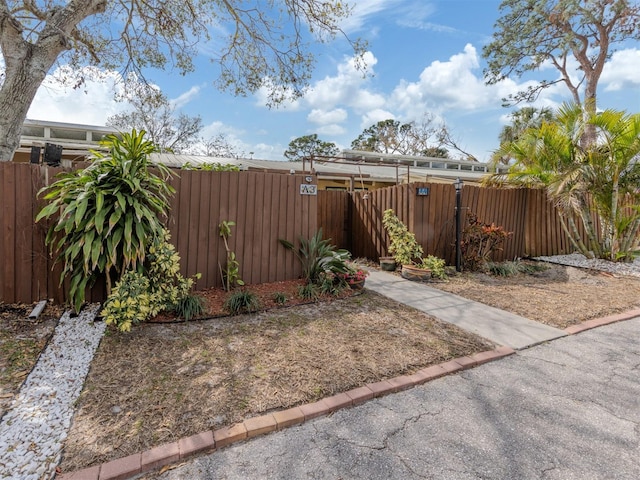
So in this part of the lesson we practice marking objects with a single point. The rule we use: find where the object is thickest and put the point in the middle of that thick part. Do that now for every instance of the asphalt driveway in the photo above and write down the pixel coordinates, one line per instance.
(567, 409)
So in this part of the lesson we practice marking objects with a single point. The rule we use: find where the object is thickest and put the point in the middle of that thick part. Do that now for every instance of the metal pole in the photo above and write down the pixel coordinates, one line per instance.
(458, 186)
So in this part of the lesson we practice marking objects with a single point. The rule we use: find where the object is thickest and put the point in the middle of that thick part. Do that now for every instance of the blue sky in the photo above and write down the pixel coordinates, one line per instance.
(424, 58)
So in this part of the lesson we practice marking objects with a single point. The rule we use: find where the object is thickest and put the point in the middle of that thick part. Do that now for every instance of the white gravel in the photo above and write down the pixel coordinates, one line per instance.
(579, 260)
(33, 430)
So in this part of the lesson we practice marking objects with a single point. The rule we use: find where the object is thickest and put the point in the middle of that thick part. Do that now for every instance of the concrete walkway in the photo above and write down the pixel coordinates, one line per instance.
(501, 327)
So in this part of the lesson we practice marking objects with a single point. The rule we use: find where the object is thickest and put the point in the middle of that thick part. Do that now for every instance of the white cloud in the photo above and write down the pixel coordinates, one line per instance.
(57, 100)
(347, 87)
(363, 11)
(186, 97)
(325, 117)
(446, 85)
(332, 129)
(375, 116)
(622, 70)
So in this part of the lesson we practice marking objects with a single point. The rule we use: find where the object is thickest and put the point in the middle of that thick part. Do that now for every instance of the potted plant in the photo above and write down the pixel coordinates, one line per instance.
(408, 252)
(354, 277)
(404, 247)
(388, 264)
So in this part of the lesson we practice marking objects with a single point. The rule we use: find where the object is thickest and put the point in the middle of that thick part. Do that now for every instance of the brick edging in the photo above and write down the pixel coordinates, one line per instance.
(209, 441)
(599, 322)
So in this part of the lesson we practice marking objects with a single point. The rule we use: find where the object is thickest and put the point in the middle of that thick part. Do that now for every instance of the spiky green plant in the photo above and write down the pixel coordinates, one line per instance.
(106, 215)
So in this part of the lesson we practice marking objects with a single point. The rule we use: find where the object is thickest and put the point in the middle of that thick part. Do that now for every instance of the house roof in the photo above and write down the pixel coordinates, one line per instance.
(352, 164)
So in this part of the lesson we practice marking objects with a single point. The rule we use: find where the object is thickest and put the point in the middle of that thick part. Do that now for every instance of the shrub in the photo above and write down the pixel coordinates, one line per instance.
(480, 241)
(508, 269)
(331, 284)
(130, 302)
(242, 301)
(436, 265)
(106, 215)
(139, 296)
(404, 247)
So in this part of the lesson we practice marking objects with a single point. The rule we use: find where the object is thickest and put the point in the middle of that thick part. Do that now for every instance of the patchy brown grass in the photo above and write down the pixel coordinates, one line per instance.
(166, 381)
(559, 296)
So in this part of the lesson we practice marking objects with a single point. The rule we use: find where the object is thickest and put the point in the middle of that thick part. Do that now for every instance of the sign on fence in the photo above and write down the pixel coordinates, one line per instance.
(308, 189)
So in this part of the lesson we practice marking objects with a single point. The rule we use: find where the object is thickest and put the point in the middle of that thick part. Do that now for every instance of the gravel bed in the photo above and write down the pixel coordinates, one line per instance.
(34, 428)
(579, 260)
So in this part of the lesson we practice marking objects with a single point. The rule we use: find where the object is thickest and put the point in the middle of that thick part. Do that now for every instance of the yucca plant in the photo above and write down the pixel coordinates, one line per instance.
(106, 215)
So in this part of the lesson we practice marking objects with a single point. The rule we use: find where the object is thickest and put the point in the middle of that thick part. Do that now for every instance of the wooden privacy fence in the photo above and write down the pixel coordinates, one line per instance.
(265, 207)
(527, 213)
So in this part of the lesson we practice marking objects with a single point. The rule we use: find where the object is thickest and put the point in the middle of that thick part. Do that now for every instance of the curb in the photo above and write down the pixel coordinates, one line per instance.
(599, 322)
(211, 440)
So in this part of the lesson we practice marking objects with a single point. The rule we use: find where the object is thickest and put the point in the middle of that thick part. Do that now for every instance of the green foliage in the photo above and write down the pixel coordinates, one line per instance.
(130, 302)
(585, 178)
(212, 167)
(242, 301)
(231, 272)
(310, 145)
(436, 265)
(138, 296)
(309, 291)
(404, 247)
(479, 242)
(331, 284)
(107, 215)
(280, 298)
(189, 307)
(318, 256)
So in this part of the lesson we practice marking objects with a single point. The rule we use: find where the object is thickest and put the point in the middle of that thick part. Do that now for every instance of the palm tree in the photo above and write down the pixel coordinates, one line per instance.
(598, 181)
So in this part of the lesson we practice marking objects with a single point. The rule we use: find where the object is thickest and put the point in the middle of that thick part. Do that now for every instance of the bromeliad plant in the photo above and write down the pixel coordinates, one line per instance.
(107, 215)
(318, 257)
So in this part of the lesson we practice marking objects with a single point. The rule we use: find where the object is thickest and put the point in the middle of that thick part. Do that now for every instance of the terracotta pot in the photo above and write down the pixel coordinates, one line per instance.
(388, 264)
(411, 272)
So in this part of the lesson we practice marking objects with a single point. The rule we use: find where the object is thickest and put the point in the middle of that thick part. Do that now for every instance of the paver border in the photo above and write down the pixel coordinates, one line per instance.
(212, 440)
(209, 441)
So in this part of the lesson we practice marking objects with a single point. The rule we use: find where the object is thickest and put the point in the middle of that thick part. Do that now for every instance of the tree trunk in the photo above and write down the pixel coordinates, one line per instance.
(27, 64)
(22, 80)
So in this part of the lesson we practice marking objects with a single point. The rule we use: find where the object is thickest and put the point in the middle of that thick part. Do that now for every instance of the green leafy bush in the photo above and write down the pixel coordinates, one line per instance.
(404, 247)
(107, 215)
(309, 291)
(130, 302)
(231, 271)
(436, 265)
(242, 301)
(139, 296)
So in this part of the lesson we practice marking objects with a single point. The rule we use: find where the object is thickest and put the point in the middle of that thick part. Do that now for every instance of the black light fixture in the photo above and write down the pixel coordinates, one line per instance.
(458, 186)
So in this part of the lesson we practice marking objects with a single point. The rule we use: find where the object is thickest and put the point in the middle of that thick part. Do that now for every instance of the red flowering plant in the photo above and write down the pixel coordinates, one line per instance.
(354, 274)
